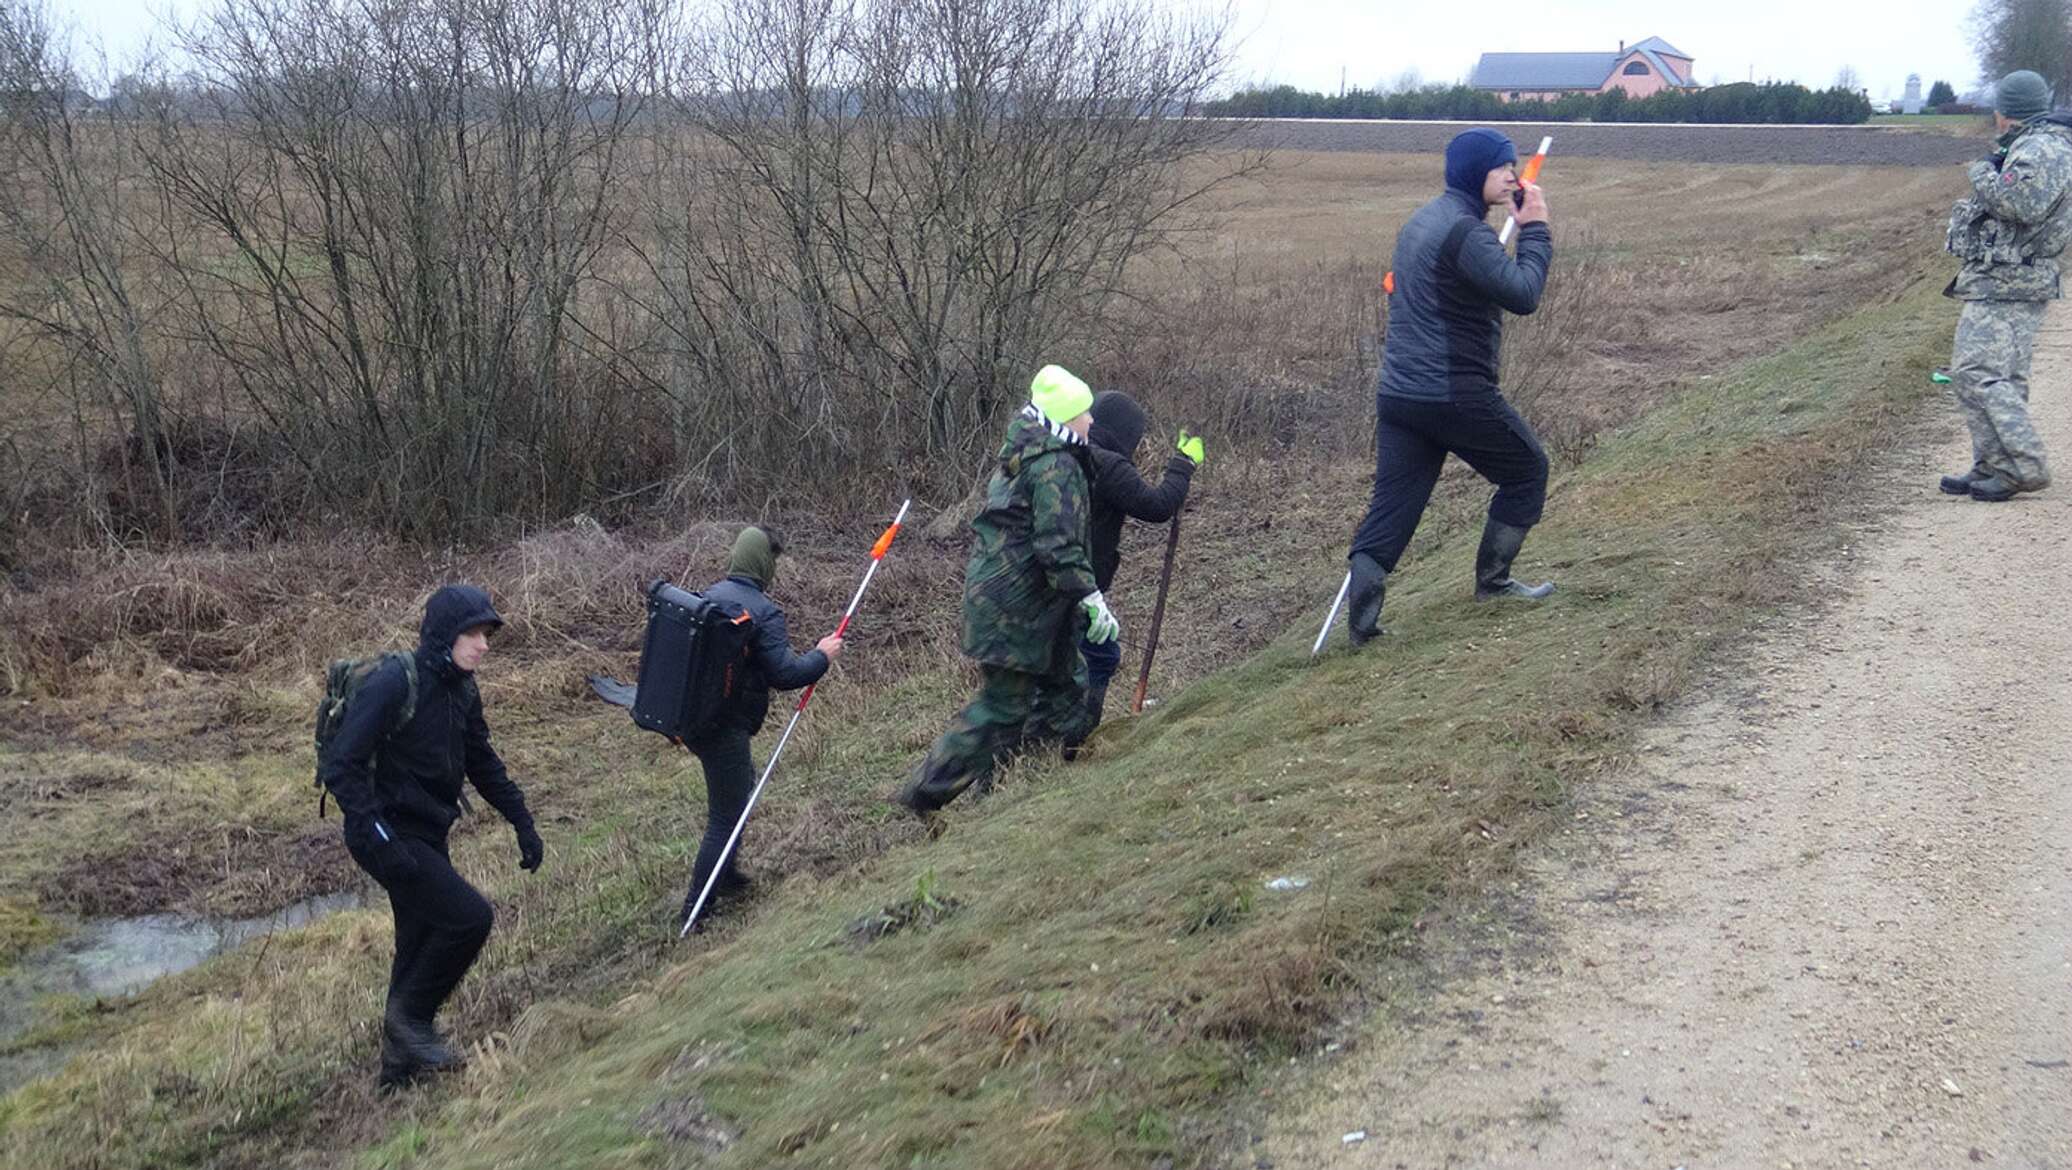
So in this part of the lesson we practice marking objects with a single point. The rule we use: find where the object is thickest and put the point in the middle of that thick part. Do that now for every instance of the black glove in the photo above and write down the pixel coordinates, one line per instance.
(380, 851)
(1998, 158)
(531, 850)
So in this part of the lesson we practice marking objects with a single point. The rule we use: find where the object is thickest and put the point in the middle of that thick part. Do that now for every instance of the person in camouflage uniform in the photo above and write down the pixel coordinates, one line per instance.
(2009, 234)
(1029, 594)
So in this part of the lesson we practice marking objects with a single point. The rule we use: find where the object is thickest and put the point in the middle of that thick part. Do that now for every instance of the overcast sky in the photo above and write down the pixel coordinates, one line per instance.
(1309, 42)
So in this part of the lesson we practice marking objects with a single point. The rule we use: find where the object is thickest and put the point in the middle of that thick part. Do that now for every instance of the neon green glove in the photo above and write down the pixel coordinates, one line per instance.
(1101, 625)
(1191, 446)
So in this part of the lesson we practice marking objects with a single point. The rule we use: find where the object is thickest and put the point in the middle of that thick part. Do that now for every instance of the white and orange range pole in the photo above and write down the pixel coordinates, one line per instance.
(878, 552)
(1531, 174)
(1528, 176)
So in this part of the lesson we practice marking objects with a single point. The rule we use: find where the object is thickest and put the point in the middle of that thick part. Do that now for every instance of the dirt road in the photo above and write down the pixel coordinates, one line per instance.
(1825, 921)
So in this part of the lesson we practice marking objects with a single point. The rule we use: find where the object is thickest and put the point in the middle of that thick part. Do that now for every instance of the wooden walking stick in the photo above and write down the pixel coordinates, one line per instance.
(1165, 582)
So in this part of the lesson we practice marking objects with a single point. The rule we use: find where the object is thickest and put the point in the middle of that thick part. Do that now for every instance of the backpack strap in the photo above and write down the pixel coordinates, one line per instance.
(404, 714)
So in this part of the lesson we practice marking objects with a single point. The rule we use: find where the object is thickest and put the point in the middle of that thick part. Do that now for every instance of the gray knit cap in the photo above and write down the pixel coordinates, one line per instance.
(2022, 95)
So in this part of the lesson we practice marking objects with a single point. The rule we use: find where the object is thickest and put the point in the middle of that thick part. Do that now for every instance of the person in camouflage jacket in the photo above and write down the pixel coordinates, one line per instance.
(1029, 593)
(2009, 233)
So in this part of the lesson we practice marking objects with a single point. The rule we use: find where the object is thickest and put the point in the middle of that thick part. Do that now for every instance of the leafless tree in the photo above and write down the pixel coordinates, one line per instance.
(907, 205)
(65, 176)
(2023, 34)
(401, 202)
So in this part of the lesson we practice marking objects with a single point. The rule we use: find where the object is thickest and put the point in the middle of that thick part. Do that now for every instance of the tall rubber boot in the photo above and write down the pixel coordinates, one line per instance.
(1500, 545)
(1096, 704)
(398, 1070)
(414, 1041)
(1363, 599)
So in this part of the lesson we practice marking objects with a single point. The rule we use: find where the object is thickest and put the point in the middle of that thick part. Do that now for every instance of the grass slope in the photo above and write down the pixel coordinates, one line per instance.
(1087, 969)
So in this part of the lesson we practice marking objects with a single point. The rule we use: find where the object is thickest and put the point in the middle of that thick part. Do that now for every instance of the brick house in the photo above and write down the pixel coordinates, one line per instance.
(1648, 67)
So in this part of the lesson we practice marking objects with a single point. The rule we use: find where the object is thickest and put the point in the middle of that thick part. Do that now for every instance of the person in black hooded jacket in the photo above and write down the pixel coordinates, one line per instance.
(1120, 494)
(398, 789)
(723, 752)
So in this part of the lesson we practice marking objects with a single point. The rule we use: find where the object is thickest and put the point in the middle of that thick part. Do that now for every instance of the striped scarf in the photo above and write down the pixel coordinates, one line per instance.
(1056, 428)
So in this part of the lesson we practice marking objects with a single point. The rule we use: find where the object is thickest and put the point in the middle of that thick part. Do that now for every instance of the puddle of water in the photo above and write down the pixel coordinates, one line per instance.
(122, 956)
(114, 957)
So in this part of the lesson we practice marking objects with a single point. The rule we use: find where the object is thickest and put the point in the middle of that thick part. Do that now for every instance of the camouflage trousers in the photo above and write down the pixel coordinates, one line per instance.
(1989, 374)
(1013, 711)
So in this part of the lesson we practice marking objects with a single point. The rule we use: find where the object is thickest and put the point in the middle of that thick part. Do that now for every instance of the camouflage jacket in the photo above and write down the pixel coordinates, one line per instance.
(1032, 563)
(2018, 219)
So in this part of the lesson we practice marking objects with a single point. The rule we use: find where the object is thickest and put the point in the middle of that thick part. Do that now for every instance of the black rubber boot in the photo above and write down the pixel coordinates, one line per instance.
(415, 1042)
(398, 1070)
(1500, 545)
(1363, 599)
(1096, 704)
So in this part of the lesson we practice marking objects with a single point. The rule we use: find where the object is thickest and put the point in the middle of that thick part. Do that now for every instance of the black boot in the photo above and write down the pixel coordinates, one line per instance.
(1096, 703)
(414, 1042)
(1363, 599)
(1500, 545)
(1992, 489)
(398, 1070)
(1960, 485)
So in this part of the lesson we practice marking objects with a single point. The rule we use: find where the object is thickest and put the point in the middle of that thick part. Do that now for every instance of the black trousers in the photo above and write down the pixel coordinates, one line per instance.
(1411, 442)
(441, 924)
(729, 778)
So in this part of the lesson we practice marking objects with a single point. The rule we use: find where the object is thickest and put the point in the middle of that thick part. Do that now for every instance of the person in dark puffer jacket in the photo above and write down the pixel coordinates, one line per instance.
(1438, 392)
(399, 793)
(1120, 494)
(724, 753)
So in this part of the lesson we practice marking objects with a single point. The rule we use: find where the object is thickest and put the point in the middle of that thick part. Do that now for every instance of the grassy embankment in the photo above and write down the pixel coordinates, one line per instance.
(1103, 972)
(163, 762)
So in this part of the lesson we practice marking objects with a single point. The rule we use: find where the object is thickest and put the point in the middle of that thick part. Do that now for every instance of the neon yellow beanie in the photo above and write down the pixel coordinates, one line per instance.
(1060, 396)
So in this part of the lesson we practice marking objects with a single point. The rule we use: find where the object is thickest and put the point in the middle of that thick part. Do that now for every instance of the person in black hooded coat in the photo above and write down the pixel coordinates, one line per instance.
(1120, 494)
(398, 789)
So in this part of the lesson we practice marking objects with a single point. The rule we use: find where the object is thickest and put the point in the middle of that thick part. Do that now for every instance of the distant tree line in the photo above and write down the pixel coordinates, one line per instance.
(1771, 102)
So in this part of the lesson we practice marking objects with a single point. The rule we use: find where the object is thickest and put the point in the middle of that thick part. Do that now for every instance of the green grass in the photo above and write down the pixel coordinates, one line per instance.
(1088, 968)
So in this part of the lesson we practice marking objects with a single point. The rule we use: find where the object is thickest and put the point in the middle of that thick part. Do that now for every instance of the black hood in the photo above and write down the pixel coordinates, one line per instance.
(1118, 423)
(451, 611)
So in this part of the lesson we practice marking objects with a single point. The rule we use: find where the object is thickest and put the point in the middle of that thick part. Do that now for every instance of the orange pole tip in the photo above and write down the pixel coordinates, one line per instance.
(1388, 283)
(884, 544)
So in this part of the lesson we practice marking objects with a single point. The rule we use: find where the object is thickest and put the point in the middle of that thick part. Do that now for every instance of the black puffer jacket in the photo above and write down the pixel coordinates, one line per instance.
(772, 665)
(1119, 493)
(1446, 315)
(409, 783)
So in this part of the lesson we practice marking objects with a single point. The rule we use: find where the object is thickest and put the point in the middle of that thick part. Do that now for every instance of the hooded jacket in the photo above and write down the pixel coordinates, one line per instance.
(1031, 564)
(1119, 493)
(409, 782)
(771, 664)
(2017, 221)
(1453, 284)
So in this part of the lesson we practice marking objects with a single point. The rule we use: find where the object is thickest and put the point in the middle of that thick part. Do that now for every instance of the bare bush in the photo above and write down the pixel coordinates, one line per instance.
(906, 207)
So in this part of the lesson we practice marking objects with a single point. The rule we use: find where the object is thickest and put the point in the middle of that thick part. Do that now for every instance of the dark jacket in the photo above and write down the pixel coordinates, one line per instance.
(1446, 316)
(409, 783)
(771, 664)
(1119, 493)
(1030, 565)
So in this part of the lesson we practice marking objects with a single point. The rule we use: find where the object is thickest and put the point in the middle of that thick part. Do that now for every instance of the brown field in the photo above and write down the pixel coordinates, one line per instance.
(1948, 141)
